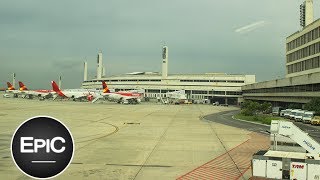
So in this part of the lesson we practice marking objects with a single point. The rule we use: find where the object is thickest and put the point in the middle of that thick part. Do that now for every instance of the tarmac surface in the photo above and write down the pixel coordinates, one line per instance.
(144, 141)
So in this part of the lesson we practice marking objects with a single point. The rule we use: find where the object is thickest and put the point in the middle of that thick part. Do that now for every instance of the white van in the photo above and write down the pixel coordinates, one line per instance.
(287, 113)
(282, 112)
(293, 114)
(307, 116)
(298, 116)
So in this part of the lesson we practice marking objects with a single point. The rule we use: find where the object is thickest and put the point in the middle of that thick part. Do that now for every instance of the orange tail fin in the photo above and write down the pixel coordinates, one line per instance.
(22, 86)
(105, 87)
(10, 87)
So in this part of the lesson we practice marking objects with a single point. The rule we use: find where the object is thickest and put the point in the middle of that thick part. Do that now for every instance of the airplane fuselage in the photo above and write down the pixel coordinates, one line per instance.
(121, 96)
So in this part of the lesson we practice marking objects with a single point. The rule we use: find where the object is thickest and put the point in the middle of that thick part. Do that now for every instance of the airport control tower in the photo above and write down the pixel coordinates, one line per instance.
(100, 68)
(306, 13)
(164, 62)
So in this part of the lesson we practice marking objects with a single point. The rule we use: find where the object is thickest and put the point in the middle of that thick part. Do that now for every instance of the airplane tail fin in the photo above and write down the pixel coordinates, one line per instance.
(10, 87)
(105, 87)
(55, 87)
(22, 86)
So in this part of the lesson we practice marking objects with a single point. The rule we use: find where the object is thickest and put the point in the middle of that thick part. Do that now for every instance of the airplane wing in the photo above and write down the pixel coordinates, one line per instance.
(105, 94)
(129, 97)
(38, 94)
(132, 99)
(13, 91)
(97, 97)
(140, 91)
(85, 95)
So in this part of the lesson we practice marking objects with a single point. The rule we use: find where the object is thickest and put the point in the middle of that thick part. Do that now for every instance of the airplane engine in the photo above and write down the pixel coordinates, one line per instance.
(48, 96)
(90, 98)
(120, 100)
(139, 100)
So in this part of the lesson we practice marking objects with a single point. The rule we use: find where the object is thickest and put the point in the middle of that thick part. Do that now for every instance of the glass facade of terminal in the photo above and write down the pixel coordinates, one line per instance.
(287, 89)
(303, 39)
(158, 80)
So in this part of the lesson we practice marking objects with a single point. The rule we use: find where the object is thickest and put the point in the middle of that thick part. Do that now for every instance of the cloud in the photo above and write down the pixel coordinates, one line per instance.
(250, 27)
(42, 40)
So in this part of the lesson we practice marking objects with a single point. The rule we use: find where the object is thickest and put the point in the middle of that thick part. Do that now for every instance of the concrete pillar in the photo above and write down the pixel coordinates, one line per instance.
(14, 80)
(85, 71)
(100, 64)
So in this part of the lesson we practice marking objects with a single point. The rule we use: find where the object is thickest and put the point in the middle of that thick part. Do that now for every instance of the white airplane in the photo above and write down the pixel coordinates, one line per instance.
(74, 94)
(125, 97)
(42, 93)
(12, 90)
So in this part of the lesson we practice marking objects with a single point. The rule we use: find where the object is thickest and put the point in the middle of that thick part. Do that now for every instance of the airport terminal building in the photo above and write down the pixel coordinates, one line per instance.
(221, 87)
(302, 81)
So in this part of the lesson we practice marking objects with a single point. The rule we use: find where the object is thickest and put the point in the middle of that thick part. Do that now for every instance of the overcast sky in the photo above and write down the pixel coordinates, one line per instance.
(42, 39)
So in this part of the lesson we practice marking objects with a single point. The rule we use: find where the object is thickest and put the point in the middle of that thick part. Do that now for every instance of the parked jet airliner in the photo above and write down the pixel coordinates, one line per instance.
(74, 94)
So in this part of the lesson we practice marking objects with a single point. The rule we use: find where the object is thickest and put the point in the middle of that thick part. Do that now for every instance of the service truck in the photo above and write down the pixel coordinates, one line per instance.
(275, 164)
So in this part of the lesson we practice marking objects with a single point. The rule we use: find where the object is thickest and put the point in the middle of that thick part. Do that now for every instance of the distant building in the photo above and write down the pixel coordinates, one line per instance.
(303, 51)
(302, 81)
(224, 88)
(298, 89)
(221, 87)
